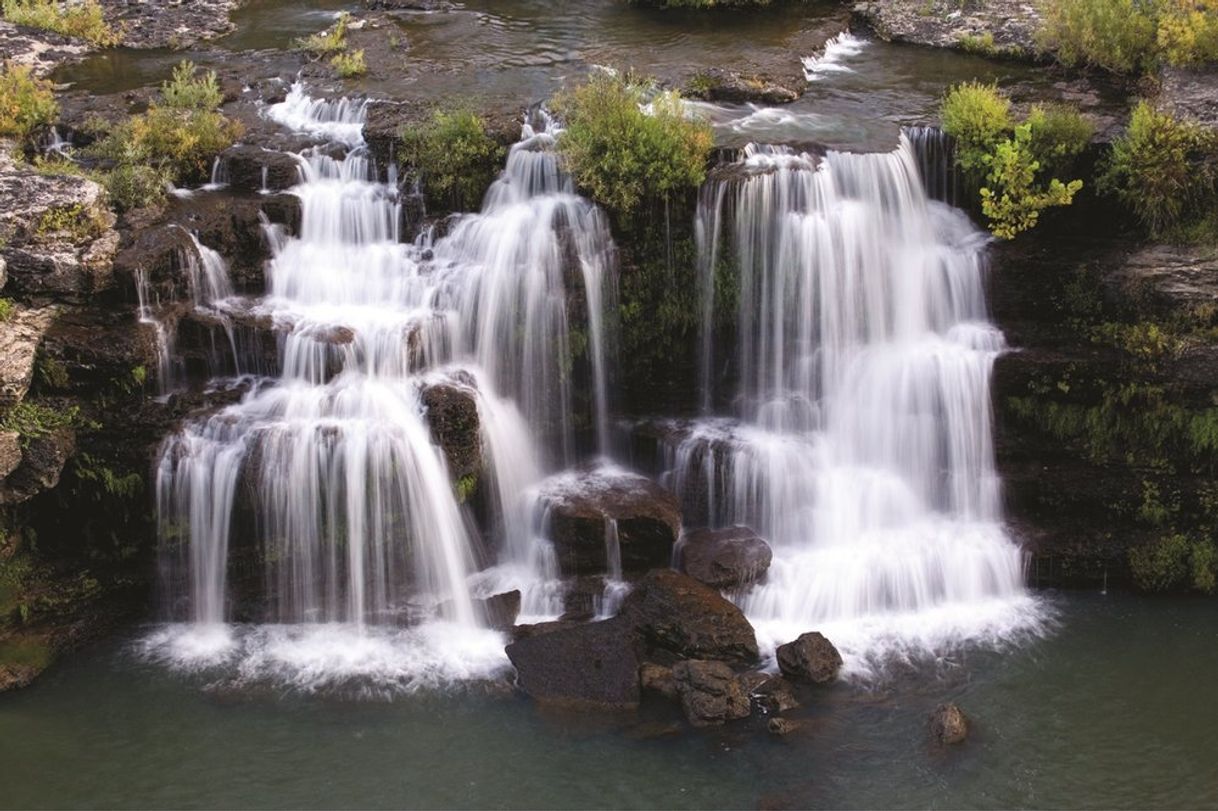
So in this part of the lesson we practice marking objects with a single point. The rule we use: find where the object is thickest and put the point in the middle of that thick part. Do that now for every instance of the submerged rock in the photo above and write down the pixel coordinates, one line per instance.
(710, 693)
(725, 558)
(675, 613)
(810, 658)
(582, 505)
(774, 695)
(585, 664)
(782, 726)
(948, 724)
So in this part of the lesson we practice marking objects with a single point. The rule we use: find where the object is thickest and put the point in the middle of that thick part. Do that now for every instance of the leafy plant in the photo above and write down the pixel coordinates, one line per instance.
(82, 19)
(26, 101)
(1012, 199)
(978, 117)
(186, 91)
(454, 157)
(6, 309)
(1127, 36)
(349, 65)
(1059, 135)
(331, 41)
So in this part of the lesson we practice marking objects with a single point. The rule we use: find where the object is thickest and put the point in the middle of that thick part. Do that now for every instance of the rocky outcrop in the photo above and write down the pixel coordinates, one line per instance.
(658, 679)
(43, 51)
(710, 693)
(810, 658)
(682, 618)
(254, 169)
(717, 84)
(948, 725)
(451, 411)
(578, 664)
(724, 558)
(20, 336)
(996, 27)
(585, 508)
(169, 23)
(1191, 92)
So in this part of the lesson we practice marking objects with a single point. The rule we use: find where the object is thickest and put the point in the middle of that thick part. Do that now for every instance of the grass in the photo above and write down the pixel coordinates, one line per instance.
(80, 19)
(331, 41)
(350, 64)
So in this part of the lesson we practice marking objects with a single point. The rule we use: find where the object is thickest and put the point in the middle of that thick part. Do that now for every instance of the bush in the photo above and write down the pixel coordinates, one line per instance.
(185, 92)
(349, 65)
(1059, 136)
(26, 101)
(622, 155)
(6, 309)
(1174, 562)
(1125, 36)
(133, 186)
(82, 19)
(1162, 168)
(978, 117)
(1012, 199)
(1188, 31)
(453, 156)
(330, 41)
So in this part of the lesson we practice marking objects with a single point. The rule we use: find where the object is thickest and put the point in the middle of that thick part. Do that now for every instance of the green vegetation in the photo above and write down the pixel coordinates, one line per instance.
(82, 19)
(622, 156)
(1164, 170)
(33, 420)
(175, 140)
(350, 64)
(26, 102)
(6, 309)
(1015, 168)
(453, 156)
(1127, 36)
(466, 485)
(331, 41)
(78, 222)
(1172, 562)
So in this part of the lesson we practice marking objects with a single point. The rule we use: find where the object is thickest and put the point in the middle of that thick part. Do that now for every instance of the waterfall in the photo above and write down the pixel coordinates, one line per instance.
(322, 487)
(862, 448)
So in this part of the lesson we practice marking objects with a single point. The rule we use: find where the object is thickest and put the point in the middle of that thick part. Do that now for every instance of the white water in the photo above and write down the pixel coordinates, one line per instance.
(326, 480)
(863, 448)
(838, 51)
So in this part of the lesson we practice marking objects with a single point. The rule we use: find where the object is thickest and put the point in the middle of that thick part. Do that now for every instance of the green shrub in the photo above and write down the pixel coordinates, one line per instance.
(331, 41)
(78, 222)
(26, 101)
(1125, 36)
(1059, 135)
(1188, 31)
(622, 155)
(454, 157)
(349, 65)
(82, 19)
(1204, 567)
(136, 186)
(978, 117)
(6, 309)
(1174, 562)
(184, 91)
(1012, 199)
(1162, 168)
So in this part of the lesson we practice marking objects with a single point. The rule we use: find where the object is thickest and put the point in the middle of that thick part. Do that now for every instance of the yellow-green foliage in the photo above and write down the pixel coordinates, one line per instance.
(623, 156)
(331, 41)
(1172, 562)
(82, 19)
(34, 420)
(136, 186)
(6, 309)
(350, 64)
(1163, 169)
(177, 137)
(1125, 36)
(26, 101)
(1014, 167)
(76, 221)
(453, 156)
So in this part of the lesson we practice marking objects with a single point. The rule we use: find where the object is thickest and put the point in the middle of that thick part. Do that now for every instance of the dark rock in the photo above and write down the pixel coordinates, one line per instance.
(717, 84)
(169, 23)
(540, 628)
(252, 169)
(452, 416)
(581, 505)
(677, 614)
(658, 679)
(1191, 92)
(811, 658)
(724, 558)
(42, 461)
(579, 601)
(586, 664)
(782, 726)
(501, 610)
(948, 724)
(774, 695)
(710, 692)
(409, 5)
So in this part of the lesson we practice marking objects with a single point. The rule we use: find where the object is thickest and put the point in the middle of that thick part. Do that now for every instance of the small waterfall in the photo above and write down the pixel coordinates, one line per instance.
(341, 121)
(219, 175)
(162, 334)
(837, 50)
(935, 151)
(863, 448)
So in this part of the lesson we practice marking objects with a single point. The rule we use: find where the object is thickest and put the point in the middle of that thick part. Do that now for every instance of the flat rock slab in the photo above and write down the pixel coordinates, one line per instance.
(590, 664)
(20, 336)
(944, 23)
(690, 620)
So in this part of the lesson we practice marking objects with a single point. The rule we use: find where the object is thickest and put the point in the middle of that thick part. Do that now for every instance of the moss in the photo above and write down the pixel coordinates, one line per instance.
(77, 221)
(52, 373)
(453, 156)
(465, 487)
(82, 19)
(33, 420)
(6, 309)
(89, 469)
(26, 102)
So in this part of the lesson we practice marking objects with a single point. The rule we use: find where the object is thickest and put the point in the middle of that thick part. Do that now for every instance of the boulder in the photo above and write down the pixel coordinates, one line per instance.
(42, 462)
(724, 558)
(710, 693)
(774, 695)
(811, 658)
(580, 506)
(676, 614)
(716, 84)
(948, 724)
(452, 416)
(501, 610)
(20, 336)
(658, 679)
(592, 664)
(782, 726)
(252, 169)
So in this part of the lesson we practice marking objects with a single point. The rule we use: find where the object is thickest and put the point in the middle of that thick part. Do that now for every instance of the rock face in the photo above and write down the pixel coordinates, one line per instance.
(710, 693)
(811, 658)
(41, 50)
(1011, 25)
(253, 169)
(724, 558)
(1191, 92)
(452, 415)
(677, 614)
(582, 505)
(501, 610)
(20, 335)
(948, 724)
(589, 664)
(658, 679)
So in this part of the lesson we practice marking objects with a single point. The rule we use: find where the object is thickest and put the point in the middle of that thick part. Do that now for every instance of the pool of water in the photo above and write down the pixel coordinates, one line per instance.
(1111, 710)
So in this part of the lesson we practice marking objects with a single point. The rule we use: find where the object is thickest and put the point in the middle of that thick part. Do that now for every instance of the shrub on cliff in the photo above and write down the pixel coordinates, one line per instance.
(1017, 170)
(1125, 36)
(1174, 562)
(453, 156)
(82, 19)
(1163, 169)
(26, 101)
(623, 155)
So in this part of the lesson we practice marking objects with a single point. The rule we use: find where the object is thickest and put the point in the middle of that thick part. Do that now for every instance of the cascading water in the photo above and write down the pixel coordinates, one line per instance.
(863, 447)
(331, 468)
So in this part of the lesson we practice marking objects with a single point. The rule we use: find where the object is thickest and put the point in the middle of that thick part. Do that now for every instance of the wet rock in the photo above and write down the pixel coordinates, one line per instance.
(725, 558)
(169, 23)
(20, 336)
(581, 506)
(782, 726)
(675, 613)
(501, 610)
(810, 658)
(717, 84)
(14, 676)
(584, 664)
(540, 628)
(43, 51)
(42, 461)
(252, 169)
(658, 679)
(710, 693)
(948, 724)
(579, 600)
(774, 695)
(409, 5)
(1008, 27)
(452, 415)
(10, 452)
